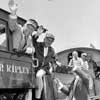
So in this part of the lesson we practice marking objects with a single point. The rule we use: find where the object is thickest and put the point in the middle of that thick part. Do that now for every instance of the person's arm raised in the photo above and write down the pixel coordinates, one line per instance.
(13, 17)
(13, 7)
(39, 31)
(36, 36)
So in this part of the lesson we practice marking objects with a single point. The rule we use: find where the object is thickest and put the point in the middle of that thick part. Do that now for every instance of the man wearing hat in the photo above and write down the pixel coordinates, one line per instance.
(84, 61)
(20, 35)
(87, 68)
(46, 57)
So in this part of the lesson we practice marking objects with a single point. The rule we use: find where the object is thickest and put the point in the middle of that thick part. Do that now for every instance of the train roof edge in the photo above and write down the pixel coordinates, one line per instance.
(78, 49)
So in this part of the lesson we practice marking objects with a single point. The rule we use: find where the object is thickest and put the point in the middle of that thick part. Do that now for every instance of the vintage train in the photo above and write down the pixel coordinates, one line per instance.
(16, 72)
(17, 75)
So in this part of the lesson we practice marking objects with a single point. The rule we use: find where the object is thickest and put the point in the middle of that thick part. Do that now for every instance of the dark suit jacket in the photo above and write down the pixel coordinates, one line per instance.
(39, 53)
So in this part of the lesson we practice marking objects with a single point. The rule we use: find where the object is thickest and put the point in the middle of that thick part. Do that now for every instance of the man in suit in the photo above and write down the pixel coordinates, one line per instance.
(46, 57)
(21, 36)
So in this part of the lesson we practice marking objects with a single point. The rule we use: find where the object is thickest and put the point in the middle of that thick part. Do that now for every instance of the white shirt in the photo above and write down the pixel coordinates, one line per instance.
(45, 51)
(75, 62)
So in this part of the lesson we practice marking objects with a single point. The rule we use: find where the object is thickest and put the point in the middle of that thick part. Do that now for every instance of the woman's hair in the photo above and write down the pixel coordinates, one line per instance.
(75, 52)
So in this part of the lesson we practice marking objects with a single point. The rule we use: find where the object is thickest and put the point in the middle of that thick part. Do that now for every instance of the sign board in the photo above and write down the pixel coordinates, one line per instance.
(15, 74)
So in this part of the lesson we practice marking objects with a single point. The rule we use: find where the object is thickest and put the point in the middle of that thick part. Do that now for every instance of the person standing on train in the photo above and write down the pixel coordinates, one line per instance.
(21, 35)
(46, 56)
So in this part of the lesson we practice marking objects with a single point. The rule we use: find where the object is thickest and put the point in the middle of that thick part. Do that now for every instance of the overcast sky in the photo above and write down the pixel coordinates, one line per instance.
(75, 23)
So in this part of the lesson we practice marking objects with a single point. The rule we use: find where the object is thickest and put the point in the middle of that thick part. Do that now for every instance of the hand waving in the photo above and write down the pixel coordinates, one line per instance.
(13, 6)
(40, 29)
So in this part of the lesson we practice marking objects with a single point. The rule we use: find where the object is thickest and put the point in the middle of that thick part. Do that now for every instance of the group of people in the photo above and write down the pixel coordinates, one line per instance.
(24, 40)
(83, 81)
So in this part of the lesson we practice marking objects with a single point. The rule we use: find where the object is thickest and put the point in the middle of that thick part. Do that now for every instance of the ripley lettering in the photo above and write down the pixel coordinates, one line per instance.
(14, 69)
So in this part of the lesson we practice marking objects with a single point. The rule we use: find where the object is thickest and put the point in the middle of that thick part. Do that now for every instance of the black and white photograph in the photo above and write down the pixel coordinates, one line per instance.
(49, 50)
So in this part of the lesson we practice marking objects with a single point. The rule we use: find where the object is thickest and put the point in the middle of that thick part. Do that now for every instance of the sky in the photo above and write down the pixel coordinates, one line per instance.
(75, 23)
